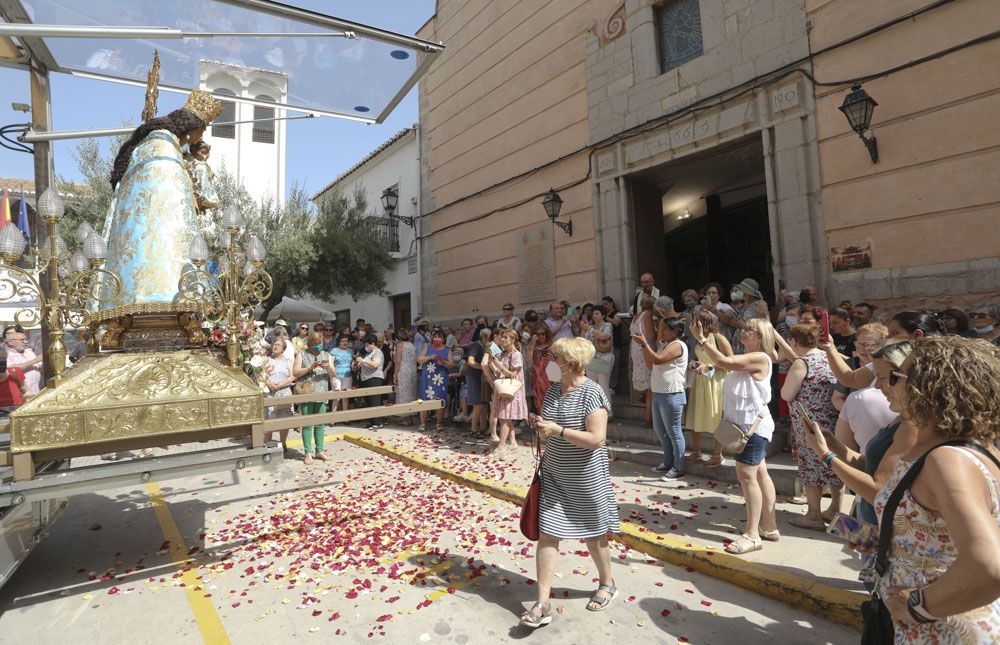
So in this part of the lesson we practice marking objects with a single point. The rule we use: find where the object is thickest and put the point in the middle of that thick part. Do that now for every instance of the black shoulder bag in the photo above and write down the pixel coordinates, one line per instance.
(878, 628)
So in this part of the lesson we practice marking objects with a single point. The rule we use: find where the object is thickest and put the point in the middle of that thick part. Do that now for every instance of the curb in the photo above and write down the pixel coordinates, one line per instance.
(838, 605)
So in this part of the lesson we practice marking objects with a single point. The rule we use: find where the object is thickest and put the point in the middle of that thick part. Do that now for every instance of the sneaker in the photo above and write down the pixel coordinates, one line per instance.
(671, 476)
(662, 468)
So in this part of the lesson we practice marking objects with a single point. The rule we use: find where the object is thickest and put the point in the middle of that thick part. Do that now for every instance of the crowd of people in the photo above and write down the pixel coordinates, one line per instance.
(870, 404)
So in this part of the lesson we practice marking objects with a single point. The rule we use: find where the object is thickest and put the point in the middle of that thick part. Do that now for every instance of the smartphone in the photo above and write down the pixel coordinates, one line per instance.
(533, 419)
(824, 323)
(802, 409)
(495, 350)
(858, 533)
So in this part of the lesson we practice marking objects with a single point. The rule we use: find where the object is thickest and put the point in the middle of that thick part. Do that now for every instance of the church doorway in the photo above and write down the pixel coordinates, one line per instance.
(704, 218)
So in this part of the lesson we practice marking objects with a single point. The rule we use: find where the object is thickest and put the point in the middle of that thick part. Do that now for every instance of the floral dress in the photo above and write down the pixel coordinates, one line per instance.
(517, 406)
(406, 373)
(434, 377)
(640, 373)
(814, 395)
(922, 549)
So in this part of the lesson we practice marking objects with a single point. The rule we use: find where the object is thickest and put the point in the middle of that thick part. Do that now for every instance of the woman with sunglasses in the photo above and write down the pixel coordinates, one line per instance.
(508, 320)
(301, 339)
(866, 471)
(985, 320)
(946, 528)
(746, 393)
(906, 325)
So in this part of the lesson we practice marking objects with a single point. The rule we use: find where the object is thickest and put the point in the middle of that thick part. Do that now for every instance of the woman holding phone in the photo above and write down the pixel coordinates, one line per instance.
(746, 392)
(946, 528)
(313, 368)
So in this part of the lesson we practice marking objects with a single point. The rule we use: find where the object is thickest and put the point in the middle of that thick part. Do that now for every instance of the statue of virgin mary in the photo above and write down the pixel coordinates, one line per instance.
(153, 216)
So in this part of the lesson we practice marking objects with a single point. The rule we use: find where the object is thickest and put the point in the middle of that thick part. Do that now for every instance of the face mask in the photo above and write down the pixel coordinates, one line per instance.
(736, 296)
(437, 343)
(983, 330)
(791, 320)
(318, 348)
(553, 372)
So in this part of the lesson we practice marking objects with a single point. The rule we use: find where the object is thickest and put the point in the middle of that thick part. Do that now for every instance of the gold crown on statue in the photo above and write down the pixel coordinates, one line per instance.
(203, 105)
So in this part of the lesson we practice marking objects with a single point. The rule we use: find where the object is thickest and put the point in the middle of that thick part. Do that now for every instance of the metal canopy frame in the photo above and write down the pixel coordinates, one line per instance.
(41, 56)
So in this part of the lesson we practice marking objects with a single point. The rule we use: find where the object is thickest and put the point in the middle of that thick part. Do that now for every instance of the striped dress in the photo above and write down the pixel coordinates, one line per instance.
(577, 500)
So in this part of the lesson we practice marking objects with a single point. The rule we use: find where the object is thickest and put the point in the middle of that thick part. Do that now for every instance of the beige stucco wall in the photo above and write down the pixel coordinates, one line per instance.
(930, 206)
(507, 96)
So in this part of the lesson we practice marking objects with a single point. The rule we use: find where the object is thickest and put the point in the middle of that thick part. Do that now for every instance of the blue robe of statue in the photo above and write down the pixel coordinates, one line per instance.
(152, 223)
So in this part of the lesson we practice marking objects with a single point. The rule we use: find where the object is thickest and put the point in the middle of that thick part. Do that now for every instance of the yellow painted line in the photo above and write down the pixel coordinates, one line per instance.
(297, 443)
(833, 603)
(207, 619)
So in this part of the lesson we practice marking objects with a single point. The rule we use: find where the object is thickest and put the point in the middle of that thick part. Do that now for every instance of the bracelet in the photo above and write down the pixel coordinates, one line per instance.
(562, 432)
(828, 458)
(702, 341)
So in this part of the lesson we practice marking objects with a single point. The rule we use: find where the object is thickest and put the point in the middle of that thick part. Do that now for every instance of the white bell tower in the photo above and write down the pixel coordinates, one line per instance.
(254, 152)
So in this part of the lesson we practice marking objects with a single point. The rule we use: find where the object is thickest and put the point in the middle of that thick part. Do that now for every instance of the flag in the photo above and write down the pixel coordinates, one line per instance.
(22, 218)
(4, 211)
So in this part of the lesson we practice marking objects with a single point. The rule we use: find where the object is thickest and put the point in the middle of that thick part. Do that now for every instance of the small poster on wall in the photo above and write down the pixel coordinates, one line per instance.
(856, 256)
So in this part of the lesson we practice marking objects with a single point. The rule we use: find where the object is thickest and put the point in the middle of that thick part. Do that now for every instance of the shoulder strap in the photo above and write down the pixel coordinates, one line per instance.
(889, 513)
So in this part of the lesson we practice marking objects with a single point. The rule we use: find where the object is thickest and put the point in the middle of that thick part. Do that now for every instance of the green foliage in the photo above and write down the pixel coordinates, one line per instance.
(353, 260)
(90, 202)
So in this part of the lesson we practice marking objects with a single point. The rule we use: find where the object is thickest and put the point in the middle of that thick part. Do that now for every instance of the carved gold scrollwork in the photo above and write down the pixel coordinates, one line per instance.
(202, 292)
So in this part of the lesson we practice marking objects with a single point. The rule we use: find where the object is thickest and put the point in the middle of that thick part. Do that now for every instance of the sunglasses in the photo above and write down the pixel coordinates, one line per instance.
(977, 314)
(508, 309)
(895, 376)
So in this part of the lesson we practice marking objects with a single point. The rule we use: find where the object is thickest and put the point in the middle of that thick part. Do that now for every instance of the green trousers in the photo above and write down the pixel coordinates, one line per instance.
(314, 407)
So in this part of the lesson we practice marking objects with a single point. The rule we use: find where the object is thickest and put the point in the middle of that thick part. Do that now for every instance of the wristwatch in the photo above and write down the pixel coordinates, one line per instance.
(915, 605)
(702, 341)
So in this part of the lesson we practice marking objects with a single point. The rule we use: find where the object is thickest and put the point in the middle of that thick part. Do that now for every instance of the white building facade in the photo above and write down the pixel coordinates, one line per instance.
(253, 151)
(395, 164)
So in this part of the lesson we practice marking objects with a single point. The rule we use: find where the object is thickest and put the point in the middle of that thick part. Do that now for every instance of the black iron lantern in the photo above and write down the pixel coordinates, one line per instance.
(390, 199)
(552, 203)
(859, 107)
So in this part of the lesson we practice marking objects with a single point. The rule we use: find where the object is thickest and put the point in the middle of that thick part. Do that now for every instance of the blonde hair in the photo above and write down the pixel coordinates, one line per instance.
(894, 353)
(876, 329)
(766, 333)
(512, 335)
(315, 338)
(952, 384)
(575, 352)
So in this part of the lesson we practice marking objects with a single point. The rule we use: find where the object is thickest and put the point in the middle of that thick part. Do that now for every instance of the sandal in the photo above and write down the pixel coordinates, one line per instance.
(714, 462)
(770, 536)
(534, 619)
(744, 544)
(602, 602)
(439, 428)
(422, 428)
(804, 522)
(692, 458)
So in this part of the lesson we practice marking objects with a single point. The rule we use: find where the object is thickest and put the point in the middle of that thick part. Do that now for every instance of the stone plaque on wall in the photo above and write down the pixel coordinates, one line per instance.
(536, 266)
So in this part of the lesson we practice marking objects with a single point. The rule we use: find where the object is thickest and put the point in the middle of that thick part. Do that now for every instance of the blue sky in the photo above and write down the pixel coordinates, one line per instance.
(317, 149)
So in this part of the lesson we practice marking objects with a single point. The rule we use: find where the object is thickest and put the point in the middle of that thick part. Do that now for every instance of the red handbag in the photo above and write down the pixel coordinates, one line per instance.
(529, 510)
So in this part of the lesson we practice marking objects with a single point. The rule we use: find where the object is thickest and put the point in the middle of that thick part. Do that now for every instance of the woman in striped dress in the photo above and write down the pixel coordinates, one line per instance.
(577, 501)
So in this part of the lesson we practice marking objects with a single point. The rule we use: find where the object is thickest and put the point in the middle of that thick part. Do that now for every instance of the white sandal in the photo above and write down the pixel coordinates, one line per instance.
(744, 544)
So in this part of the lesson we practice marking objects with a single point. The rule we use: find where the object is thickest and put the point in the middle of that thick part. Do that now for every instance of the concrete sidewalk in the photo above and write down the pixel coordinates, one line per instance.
(685, 523)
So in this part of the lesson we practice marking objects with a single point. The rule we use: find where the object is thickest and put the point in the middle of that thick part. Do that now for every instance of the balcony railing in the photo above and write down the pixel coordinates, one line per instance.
(387, 229)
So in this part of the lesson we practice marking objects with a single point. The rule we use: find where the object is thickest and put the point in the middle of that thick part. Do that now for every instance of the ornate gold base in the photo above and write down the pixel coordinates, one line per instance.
(148, 332)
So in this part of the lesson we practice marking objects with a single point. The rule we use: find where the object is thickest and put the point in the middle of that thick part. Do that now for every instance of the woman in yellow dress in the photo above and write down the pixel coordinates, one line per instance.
(705, 399)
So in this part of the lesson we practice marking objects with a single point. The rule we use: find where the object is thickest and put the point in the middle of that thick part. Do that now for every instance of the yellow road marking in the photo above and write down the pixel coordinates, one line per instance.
(207, 619)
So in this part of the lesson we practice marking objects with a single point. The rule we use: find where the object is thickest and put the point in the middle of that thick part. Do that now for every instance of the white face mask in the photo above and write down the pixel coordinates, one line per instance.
(553, 372)
(983, 330)
(791, 320)
(736, 296)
